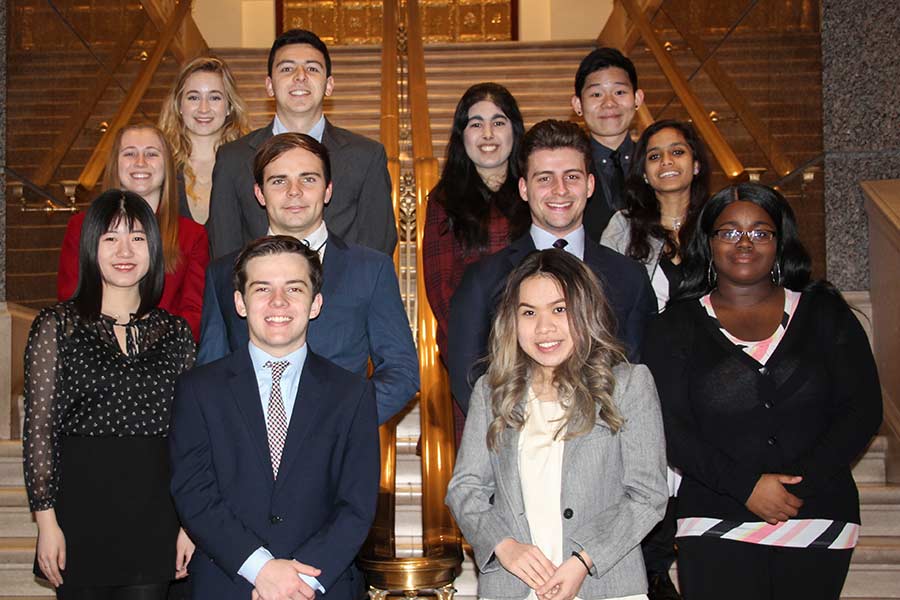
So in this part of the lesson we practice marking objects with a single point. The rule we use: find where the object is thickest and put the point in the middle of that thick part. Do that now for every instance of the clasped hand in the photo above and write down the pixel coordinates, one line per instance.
(529, 564)
(771, 501)
(279, 580)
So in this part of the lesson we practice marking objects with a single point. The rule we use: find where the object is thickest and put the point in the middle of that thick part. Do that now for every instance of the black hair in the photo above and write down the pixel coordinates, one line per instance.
(105, 213)
(299, 36)
(640, 199)
(461, 191)
(604, 58)
(276, 244)
(791, 256)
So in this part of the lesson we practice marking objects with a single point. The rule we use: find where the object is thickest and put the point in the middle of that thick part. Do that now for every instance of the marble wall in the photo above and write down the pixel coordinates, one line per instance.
(861, 107)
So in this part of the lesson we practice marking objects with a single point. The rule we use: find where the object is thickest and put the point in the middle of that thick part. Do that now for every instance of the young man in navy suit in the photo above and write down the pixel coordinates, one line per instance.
(274, 449)
(299, 79)
(363, 316)
(554, 159)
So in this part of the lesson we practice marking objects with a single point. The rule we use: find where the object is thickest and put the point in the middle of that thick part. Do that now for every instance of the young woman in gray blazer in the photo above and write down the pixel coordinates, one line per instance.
(561, 471)
(667, 187)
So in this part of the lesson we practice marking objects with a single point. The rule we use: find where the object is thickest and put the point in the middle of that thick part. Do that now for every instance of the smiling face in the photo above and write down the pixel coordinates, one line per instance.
(608, 103)
(278, 302)
(542, 324)
(142, 168)
(204, 104)
(298, 82)
(123, 256)
(556, 187)
(670, 166)
(294, 193)
(744, 263)
(488, 137)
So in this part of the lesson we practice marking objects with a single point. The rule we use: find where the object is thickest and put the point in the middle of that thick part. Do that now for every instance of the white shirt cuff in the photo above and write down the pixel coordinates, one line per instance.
(256, 561)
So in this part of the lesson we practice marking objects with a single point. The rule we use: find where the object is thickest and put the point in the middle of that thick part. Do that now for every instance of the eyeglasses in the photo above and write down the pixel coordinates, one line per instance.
(733, 236)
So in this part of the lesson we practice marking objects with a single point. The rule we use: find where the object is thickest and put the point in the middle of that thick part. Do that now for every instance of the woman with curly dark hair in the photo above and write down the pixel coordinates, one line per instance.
(667, 187)
(769, 393)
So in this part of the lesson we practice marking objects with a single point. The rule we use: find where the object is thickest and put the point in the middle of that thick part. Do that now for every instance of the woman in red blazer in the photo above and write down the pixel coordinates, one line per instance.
(141, 162)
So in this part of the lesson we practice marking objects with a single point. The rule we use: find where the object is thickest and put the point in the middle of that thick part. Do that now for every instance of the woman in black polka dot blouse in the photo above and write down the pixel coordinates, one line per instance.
(100, 374)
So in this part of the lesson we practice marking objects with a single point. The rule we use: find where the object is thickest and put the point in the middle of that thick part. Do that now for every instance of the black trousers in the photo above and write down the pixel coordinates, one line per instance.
(713, 569)
(152, 591)
(658, 547)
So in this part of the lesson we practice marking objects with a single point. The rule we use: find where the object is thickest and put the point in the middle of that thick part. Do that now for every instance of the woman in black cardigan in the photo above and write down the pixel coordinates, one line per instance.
(769, 392)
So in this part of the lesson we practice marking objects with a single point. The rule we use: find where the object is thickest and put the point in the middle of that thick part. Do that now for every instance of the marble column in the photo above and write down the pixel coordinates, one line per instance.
(861, 107)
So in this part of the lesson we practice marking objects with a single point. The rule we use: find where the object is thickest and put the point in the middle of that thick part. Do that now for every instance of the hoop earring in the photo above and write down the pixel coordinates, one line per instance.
(711, 275)
(776, 273)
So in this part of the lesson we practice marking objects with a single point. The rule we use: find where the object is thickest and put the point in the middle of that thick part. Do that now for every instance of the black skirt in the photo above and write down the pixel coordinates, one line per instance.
(115, 511)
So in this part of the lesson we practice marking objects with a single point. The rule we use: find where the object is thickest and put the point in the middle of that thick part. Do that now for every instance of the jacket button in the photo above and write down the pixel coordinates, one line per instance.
(768, 405)
(275, 519)
(772, 441)
(568, 513)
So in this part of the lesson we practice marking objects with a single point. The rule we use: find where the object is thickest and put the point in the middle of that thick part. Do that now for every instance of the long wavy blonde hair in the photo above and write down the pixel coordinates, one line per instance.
(584, 381)
(172, 123)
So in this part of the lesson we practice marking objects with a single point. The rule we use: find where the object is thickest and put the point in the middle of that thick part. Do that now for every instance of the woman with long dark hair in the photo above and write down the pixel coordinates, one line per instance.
(665, 191)
(561, 471)
(475, 208)
(769, 392)
(100, 374)
(141, 161)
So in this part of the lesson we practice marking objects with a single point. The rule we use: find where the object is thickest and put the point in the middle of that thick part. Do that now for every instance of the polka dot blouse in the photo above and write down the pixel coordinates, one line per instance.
(78, 382)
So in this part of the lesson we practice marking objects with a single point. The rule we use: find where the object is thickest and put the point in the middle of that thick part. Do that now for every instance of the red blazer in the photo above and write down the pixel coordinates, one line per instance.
(183, 291)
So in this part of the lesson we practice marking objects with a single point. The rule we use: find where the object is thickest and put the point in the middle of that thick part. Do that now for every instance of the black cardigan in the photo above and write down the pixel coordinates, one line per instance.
(811, 411)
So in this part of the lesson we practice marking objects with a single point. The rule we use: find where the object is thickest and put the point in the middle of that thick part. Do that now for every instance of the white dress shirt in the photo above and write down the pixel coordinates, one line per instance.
(317, 240)
(315, 133)
(544, 240)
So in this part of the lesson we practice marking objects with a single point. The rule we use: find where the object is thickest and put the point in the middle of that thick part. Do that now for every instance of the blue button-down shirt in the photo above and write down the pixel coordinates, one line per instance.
(290, 382)
(316, 133)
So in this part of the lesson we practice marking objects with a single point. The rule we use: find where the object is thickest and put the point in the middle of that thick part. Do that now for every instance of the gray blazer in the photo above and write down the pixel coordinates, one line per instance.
(613, 492)
(360, 211)
(617, 236)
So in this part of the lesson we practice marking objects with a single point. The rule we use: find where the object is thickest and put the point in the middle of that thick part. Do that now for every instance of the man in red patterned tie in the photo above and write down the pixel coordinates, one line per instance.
(274, 449)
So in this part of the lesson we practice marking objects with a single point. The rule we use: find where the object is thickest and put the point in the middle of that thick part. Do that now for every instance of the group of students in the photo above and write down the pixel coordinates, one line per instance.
(547, 256)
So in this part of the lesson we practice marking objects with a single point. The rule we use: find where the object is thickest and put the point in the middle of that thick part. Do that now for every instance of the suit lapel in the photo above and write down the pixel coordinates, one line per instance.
(244, 390)
(333, 266)
(309, 402)
(256, 138)
(519, 249)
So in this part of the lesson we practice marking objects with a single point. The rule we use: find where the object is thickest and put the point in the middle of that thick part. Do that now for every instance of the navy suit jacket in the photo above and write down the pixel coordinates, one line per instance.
(362, 317)
(319, 509)
(473, 306)
(360, 210)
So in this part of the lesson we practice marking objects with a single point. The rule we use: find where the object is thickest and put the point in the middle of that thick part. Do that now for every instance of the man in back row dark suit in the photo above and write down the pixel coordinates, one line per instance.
(363, 315)
(274, 449)
(555, 160)
(299, 79)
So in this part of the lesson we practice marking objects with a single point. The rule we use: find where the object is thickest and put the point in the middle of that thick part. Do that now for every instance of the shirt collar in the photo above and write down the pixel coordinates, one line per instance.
(316, 132)
(601, 152)
(316, 240)
(260, 357)
(544, 240)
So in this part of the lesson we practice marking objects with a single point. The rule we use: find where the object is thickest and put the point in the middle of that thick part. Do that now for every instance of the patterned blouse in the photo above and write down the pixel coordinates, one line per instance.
(78, 382)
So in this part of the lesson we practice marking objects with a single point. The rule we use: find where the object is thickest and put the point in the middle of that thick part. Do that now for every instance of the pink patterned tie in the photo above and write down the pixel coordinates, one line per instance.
(276, 422)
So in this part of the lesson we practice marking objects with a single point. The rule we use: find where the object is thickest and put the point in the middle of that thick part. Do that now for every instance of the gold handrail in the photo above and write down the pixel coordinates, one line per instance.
(94, 167)
(730, 92)
(86, 103)
(188, 42)
(390, 109)
(705, 127)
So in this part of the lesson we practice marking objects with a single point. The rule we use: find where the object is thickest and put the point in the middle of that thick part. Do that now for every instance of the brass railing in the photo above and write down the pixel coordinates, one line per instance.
(441, 554)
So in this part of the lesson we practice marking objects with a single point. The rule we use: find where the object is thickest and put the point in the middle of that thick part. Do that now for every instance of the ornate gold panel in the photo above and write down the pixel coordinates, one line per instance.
(359, 21)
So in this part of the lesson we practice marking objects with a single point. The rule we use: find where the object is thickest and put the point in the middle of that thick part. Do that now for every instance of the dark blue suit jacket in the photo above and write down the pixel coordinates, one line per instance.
(362, 318)
(473, 305)
(322, 505)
